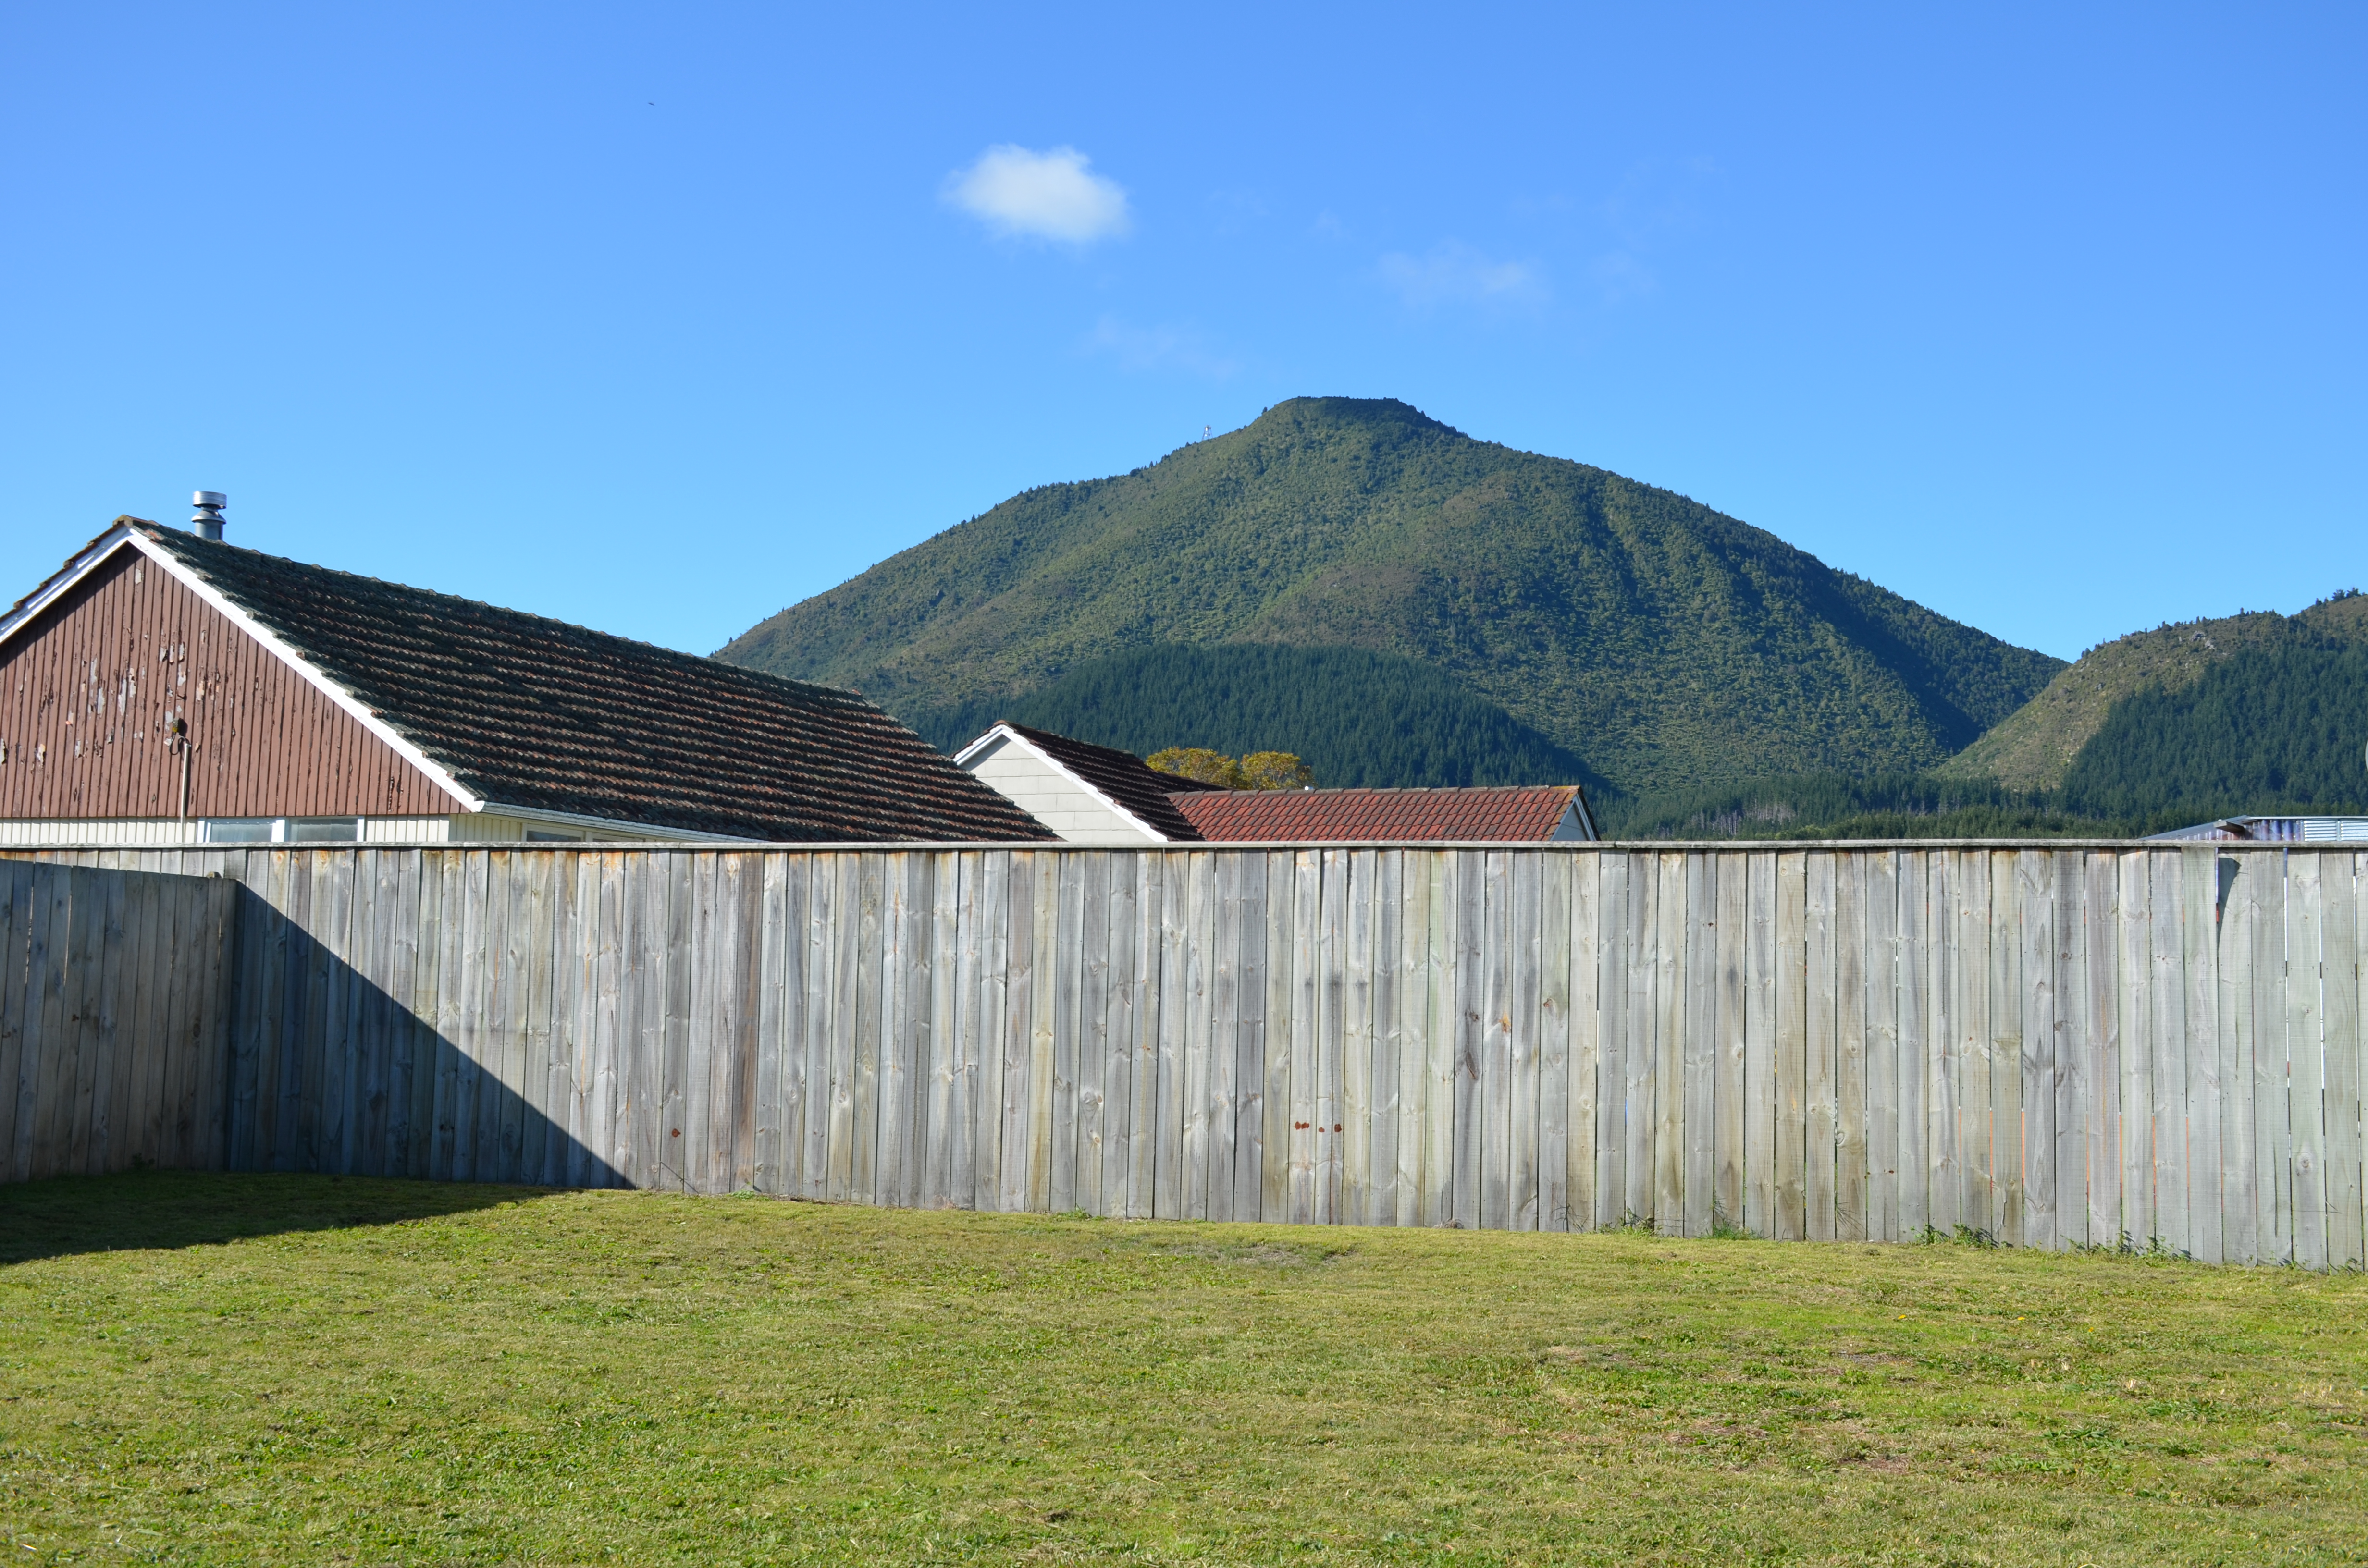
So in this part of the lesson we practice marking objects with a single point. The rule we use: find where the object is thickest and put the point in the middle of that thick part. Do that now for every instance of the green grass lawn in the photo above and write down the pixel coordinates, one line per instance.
(305, 1369)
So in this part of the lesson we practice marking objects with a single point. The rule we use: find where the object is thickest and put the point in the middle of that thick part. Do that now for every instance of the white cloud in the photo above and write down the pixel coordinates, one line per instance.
(1456, 273)
(1047, 195)
(1158, 348)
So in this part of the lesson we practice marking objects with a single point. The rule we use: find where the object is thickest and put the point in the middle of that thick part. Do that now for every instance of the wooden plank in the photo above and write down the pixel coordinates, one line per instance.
(1668, 1045)
(1615, 949)
(1852, 1046)
(1230, 1002)
(1912, 971)
(2097, 1068)
(1758, 1214)
(2007, 1008)
(1413, 1023)
(1178, 909)
(1044, 1090)
(1553, 962)
(1791, 1048)
(1471, 1043)
(2166, 1008)
(1985, 997)
(2134, 1010)
(1820, 1143)
(994, 1023)
(1643, 1054)
(1331, 1042)
(955, 1119)
(1880, 905)
(2305, 1057)
(1585, 1030)
(1071, 943)
(2035, 907)
(110, 1034)
(892, 1144)
(1150, 955)
(1525, 1077)
(1202, 899)
(1093, 1053)
(770, 938)
(1355, 948)
(1250, 1037)
(86, 1027)
(1731, 956)
(2273, 1134)
(2072, 1050)
(1222, 1060)
(45, 1051)
(1023, 977)
(1698, 1086)
(2234, 972)
(134, 1099)
(1496, 951)
(1278, 1139)
(16, 881)
(2200, 974)
(18, 990)
(1442, 1058)
(2340, 938)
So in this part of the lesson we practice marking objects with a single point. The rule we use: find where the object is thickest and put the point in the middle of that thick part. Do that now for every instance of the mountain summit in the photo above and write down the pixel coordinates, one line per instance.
(1662, 642)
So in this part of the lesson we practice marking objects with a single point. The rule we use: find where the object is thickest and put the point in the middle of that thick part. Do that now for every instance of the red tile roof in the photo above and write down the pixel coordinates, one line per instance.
(1513, 815)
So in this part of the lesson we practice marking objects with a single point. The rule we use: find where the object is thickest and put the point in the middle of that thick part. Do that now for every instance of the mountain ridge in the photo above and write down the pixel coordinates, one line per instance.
(1659, 639)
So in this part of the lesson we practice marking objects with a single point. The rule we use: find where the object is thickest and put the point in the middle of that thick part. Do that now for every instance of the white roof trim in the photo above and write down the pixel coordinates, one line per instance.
(572, 819)
(75, 568)
(1005, 732)
(123, 534)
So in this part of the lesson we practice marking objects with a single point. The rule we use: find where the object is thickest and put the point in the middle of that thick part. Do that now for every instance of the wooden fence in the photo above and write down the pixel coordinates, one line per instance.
(2053, 1045)
(112, 1013)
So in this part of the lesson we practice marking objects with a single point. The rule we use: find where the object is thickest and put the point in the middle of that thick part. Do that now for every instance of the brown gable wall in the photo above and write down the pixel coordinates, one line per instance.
(86, 689)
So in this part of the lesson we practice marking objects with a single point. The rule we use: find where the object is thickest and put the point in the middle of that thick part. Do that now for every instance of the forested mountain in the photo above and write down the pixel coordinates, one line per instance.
(1661, 641)
(2033, 748)
(2256, 713)
(1357, 718)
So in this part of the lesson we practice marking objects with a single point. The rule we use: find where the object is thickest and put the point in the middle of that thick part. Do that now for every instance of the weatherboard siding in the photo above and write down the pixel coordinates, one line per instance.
(87, 687)
(1053, 799)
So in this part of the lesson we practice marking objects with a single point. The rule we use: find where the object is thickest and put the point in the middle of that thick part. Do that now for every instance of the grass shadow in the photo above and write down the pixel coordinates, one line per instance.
(139, 1210)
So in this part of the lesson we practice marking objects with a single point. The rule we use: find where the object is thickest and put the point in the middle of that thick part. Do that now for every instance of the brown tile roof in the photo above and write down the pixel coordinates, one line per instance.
(1125, 777)
(526, 711)
(1513, 814)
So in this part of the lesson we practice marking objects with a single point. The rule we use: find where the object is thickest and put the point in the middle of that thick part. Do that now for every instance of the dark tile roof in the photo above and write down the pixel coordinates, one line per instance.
(1513, 815)
(526, 711)
(1125, 777)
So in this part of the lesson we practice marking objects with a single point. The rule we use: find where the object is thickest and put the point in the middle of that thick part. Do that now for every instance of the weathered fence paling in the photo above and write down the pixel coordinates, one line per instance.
(2056, 1046)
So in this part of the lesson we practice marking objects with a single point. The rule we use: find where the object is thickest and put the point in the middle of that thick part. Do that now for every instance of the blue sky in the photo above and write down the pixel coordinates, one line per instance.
(659, 320)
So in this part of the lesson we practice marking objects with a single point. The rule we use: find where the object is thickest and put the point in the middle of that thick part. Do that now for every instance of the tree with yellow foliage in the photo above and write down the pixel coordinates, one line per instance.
(1259, 771)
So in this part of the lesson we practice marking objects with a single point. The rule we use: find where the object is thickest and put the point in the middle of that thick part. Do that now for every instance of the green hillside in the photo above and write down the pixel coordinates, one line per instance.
(1664, 643)
(2270, 729)
(2035, 746)
(2255, 713)
(1358, 717)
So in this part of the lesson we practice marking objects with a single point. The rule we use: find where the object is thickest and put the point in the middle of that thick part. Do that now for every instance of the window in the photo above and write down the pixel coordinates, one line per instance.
(541, 835)
(282, 829)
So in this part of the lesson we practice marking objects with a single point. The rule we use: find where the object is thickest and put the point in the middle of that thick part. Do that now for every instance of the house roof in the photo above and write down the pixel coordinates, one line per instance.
(1512, 814)
(1125, 780)
(513, 709)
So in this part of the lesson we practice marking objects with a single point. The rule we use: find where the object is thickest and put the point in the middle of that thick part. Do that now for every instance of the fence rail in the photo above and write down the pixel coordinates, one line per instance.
(2056, 1046)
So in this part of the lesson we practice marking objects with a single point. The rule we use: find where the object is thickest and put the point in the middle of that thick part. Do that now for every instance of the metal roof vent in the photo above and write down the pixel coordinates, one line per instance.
(208, 523)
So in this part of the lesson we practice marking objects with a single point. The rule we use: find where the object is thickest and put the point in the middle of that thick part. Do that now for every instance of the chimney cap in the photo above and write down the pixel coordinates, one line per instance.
(209, 498)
